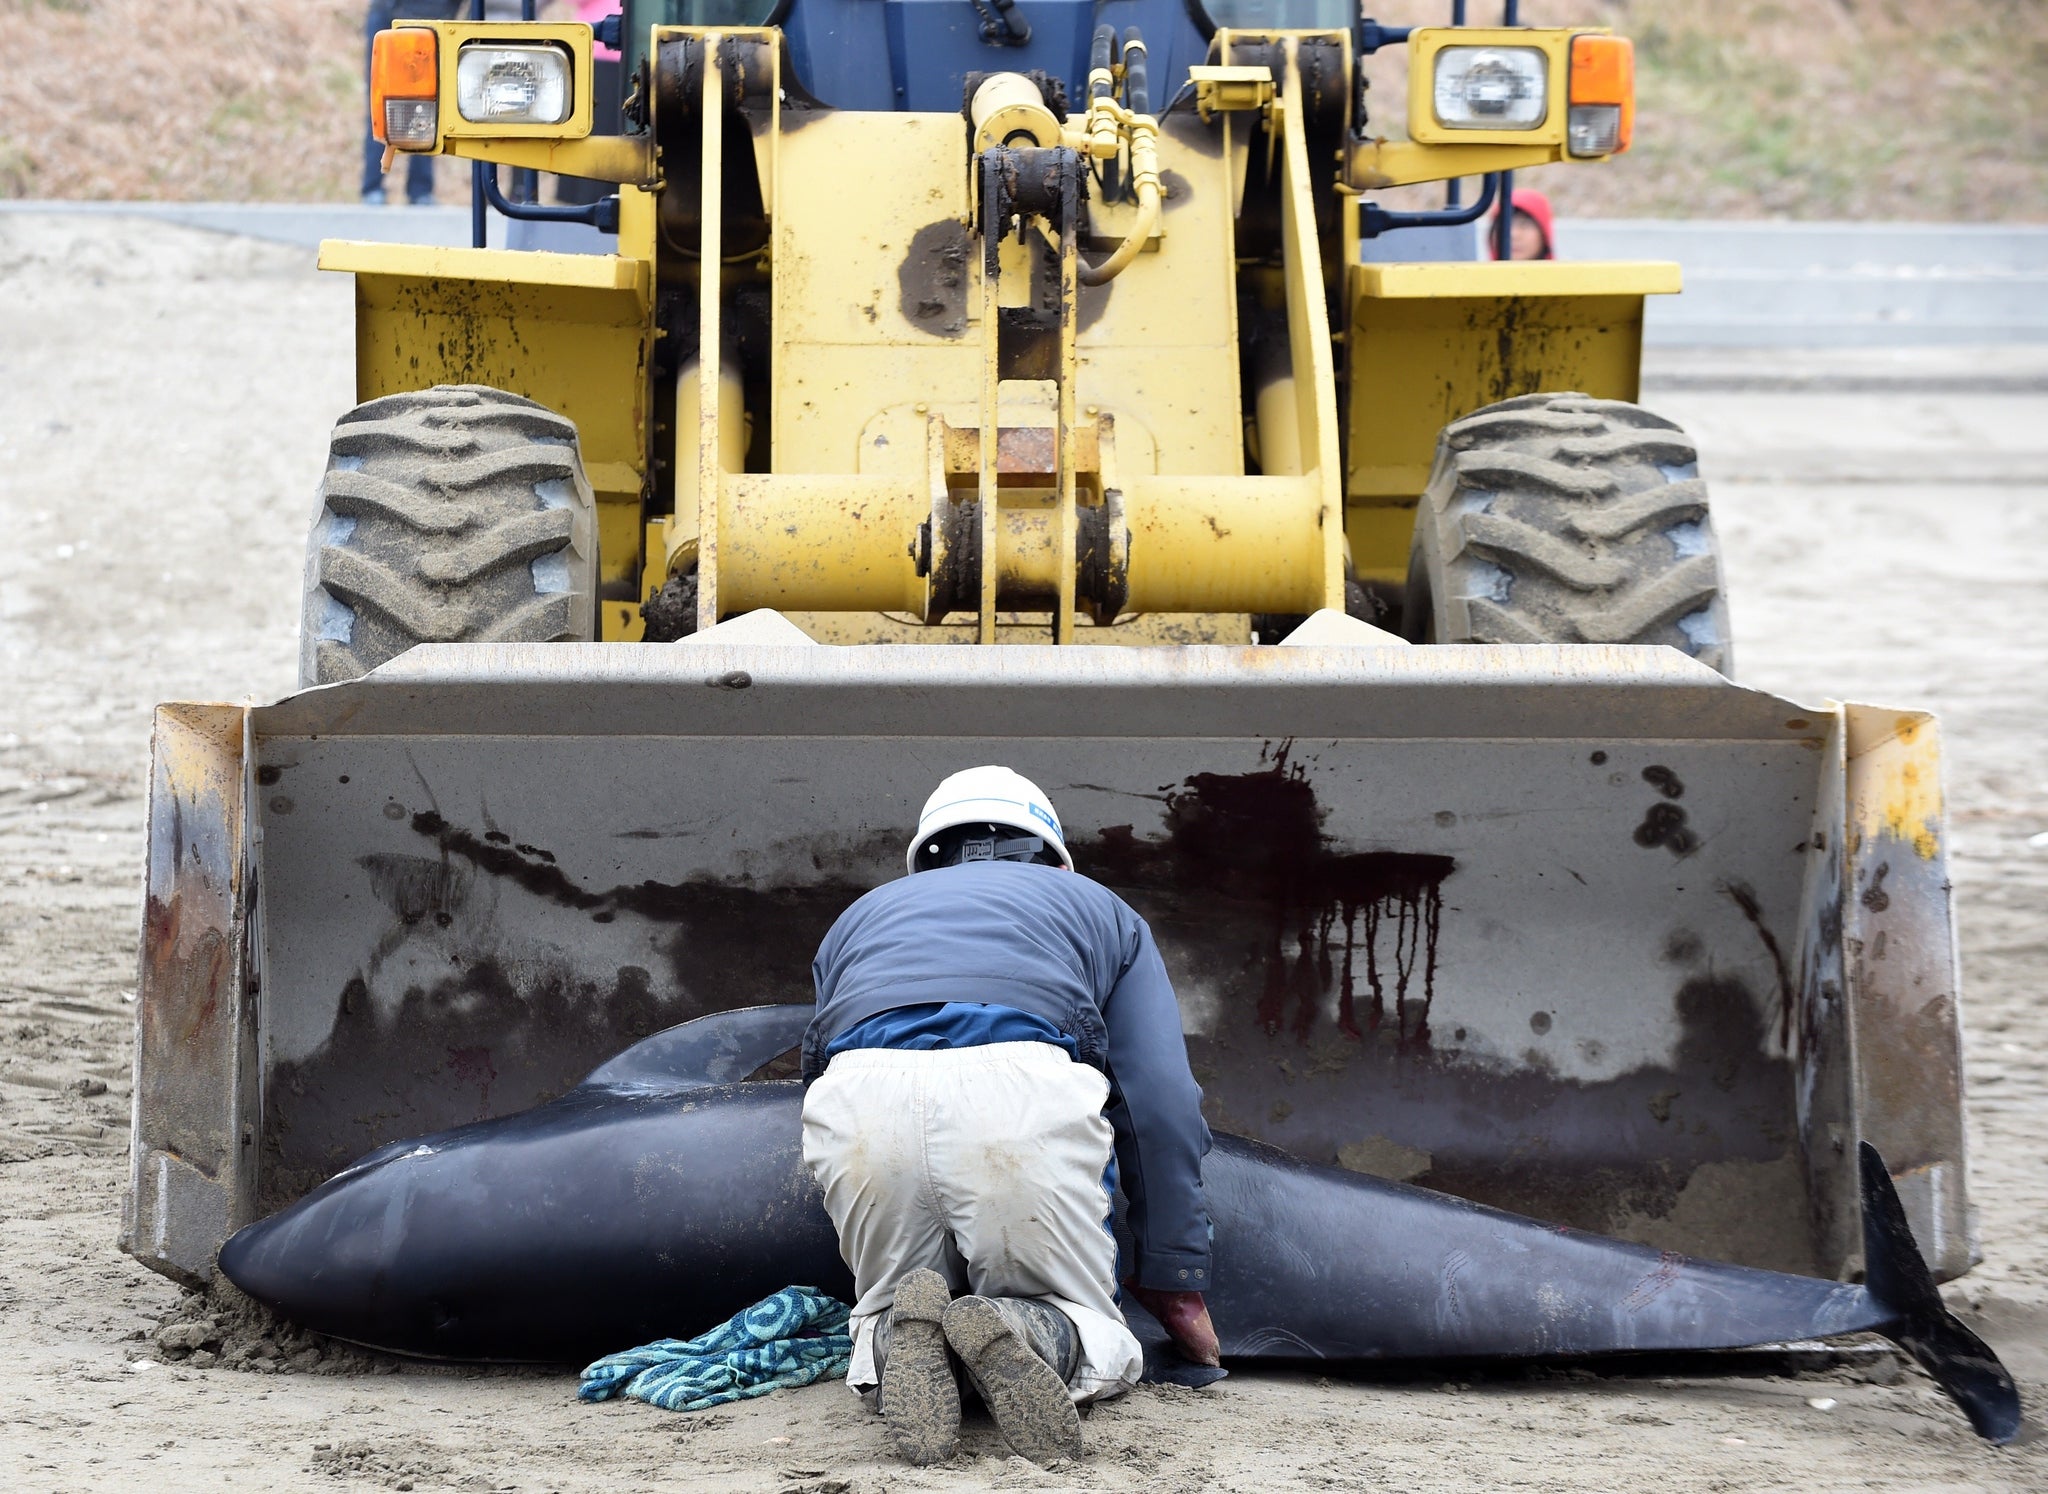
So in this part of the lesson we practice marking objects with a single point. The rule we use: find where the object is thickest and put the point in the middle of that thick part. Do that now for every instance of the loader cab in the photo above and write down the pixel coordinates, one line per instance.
(915, 55)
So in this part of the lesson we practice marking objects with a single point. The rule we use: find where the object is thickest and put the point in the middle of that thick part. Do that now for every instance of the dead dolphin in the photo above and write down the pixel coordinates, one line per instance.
(662, 1195)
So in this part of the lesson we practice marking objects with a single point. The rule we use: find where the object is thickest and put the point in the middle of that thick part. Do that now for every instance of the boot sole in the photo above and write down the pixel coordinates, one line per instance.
(1026, 1395)
(920, 1397)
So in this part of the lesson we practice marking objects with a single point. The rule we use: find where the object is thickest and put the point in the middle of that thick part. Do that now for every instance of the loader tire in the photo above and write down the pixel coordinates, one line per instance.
(455, 514)
(1560, 518)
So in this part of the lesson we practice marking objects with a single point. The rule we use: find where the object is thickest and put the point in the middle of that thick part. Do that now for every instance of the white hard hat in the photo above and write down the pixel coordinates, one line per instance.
(994, 796)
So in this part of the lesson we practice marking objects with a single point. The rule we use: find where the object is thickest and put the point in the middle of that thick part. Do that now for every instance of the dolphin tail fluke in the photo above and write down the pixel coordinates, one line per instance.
(1896, 1276)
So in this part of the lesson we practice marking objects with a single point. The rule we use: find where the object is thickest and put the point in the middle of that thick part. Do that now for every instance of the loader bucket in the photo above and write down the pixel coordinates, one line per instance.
(1589, 933)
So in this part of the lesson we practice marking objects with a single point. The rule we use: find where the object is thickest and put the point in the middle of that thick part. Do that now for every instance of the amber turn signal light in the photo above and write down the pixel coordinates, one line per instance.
(405, 86)
(1602, 117)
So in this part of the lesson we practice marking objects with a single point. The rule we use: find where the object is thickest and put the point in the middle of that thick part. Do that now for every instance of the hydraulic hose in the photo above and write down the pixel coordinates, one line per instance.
(1144, 135)
(1108, 124)
(1137, 83)
(1102, 86)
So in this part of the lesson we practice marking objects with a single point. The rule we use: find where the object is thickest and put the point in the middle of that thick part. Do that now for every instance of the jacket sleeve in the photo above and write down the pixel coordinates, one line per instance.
(1156, 1109)
(811, 1054)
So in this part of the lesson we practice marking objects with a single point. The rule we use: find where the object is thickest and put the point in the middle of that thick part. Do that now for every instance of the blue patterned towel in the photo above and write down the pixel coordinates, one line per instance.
(793, 1338)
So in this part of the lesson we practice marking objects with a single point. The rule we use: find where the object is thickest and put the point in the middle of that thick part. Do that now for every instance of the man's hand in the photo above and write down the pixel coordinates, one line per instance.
(1185, 1317)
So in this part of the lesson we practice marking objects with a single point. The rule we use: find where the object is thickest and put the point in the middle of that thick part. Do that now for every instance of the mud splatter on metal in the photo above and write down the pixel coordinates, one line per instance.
(1744, 897)
(933, 279)
(1664, 781)
(1664, 825)
(1372, 914)
(494, 1034)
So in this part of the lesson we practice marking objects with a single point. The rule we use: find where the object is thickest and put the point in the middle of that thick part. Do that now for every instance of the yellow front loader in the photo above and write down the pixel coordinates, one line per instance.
(1044, 383)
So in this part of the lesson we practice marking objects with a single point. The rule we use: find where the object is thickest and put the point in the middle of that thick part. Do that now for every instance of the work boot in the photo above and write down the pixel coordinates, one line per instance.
(1020, 1355)
(920, 1397)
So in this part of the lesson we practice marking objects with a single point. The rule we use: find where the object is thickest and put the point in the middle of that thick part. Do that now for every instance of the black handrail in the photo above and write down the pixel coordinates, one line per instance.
(1371, 36)
(484, 192)
(602, 215)
(1504, 226)
(1454, 189)
(479, 210)
(1374, 220)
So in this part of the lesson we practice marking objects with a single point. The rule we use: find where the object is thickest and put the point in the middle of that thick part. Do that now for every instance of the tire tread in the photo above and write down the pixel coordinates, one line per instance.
(441, 491)
(1560, 518)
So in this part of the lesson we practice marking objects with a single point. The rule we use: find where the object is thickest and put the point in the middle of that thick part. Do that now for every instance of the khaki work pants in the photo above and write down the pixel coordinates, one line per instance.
(986, 1165)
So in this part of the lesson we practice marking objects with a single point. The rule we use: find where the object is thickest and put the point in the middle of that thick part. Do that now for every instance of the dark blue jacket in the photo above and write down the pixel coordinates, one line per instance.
(1055, 944)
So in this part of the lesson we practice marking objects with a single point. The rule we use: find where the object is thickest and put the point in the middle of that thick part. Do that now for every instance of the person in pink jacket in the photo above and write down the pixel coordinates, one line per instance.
(590, 12)
(1533, 232)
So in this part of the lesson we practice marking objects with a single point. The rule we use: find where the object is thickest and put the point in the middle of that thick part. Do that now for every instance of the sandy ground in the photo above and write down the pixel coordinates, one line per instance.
(164, 402)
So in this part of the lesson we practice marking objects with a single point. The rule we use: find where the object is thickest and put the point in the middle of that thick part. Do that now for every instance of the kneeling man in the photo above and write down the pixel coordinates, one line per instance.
(996, 1045)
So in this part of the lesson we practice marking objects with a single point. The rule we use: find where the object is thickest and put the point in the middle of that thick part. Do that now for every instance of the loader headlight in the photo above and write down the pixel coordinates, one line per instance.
(1492, 88)
(500, 84)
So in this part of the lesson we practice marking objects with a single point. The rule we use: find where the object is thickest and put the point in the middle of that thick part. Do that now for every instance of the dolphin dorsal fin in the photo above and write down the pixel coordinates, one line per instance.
(722, 1048)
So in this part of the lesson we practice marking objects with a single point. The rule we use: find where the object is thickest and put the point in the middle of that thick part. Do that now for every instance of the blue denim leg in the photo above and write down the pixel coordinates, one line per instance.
(376, 18)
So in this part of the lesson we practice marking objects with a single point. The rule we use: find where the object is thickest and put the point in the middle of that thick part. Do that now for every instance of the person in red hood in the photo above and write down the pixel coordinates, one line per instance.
(1532, 234)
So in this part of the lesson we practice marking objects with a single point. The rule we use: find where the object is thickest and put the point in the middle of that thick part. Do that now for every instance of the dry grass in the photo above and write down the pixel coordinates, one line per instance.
(255, 99)
(1749, 108)
(1924, 109)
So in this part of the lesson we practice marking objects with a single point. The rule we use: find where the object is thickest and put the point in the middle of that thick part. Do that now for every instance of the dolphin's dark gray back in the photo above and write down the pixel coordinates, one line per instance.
(1357, 1267)
(661, 1196)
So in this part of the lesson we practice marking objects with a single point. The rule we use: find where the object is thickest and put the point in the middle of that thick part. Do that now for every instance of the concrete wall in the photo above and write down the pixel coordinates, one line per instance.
(1833, 284)
(303, 223)
(1811, 284)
